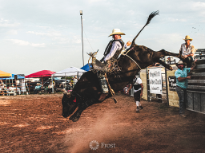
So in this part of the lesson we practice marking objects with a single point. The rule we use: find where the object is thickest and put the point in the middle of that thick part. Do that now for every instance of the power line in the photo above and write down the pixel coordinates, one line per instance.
(88, 40)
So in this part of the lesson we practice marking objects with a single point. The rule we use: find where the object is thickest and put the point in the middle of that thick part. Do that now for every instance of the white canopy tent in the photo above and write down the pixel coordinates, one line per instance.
(72, 71)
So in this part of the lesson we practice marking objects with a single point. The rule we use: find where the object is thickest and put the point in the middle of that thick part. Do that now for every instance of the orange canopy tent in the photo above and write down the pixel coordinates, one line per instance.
(4, 74)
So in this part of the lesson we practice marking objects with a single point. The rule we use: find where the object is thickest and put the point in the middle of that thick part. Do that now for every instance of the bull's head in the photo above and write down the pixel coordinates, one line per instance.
(69, 104)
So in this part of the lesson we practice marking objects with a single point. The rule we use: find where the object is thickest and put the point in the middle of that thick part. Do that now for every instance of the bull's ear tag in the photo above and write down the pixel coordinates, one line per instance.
(74, 100)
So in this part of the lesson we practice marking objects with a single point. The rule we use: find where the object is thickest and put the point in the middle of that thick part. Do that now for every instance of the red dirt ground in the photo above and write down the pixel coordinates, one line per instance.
(34, 124)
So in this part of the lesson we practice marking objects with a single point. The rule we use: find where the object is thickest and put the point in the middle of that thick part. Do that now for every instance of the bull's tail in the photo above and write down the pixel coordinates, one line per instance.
(153, 14)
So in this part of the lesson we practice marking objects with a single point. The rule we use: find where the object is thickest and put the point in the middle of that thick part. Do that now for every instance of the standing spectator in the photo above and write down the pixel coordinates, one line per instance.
(75, 80)
(138, 92)
(181, 85)
(50, 87)
(23, 86)
(2, 86)
(37, 88)
(187, 51)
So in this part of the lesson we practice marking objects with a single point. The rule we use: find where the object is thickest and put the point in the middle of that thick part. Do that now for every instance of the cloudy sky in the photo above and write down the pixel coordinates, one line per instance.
(46, 34)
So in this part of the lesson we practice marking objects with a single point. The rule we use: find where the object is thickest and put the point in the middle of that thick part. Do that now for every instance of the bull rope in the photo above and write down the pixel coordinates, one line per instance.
(125, 54)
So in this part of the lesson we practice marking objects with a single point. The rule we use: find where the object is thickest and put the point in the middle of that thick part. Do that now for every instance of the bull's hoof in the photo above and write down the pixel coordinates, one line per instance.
(75, 119)
(71, 118)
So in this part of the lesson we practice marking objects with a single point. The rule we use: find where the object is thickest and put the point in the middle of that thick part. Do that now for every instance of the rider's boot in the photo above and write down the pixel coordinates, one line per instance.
(104, 86)
(103, 83)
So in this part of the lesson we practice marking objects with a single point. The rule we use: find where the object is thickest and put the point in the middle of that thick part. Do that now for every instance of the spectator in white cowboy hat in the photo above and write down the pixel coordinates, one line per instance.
(187, 50)
(181, 75)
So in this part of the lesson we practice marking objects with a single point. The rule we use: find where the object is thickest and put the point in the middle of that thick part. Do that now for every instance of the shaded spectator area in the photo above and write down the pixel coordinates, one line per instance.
(12, 84)
(43, 84)
(73, 73)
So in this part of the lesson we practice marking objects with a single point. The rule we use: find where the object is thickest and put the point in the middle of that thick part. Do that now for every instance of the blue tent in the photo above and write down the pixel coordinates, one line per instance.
(12, 77)
(86, 67)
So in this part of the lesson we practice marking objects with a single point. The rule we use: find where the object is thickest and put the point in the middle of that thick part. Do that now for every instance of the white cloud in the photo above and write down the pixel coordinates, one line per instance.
(38, 45)
(169, 42)
(25, 43)
(7, 23)
(76, 40)
(131, 12)
(176, 20)
(49, 34)
(19, 42)
(199, 8)
(13, 32)
(199, 5)
(54, 35)
(96, 1)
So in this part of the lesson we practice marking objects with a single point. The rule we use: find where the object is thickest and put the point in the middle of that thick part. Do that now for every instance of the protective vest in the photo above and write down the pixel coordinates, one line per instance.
(109, 46)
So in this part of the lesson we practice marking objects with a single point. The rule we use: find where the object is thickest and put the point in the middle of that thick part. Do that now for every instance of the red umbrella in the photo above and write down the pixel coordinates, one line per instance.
(39, 74)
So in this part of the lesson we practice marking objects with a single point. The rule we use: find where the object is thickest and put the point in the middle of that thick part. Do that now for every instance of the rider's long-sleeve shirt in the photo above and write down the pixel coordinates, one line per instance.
(115, 46)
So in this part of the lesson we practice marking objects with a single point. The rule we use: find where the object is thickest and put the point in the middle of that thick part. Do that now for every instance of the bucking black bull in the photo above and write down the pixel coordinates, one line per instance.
(87, 91)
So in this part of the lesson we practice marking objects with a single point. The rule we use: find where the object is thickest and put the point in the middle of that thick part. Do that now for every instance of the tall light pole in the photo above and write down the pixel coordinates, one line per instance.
(81, 13)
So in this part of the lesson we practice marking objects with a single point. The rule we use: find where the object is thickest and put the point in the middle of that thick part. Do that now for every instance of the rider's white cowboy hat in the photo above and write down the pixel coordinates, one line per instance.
(116, 32)
(187, 37)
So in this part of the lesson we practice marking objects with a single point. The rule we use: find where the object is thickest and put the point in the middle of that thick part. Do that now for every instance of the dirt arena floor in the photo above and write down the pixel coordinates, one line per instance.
(34, 124)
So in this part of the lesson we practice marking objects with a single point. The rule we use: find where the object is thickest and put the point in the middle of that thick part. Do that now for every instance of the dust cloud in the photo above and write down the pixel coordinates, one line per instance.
(102, 132)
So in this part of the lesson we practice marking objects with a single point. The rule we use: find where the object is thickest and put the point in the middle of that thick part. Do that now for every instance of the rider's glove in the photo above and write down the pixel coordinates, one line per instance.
(102, 60)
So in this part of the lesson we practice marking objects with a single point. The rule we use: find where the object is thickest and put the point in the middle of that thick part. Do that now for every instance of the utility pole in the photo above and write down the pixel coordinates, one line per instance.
(81, 13)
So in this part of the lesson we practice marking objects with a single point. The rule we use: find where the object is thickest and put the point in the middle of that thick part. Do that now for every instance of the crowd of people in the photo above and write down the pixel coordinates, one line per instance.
(18, 87)
(67, 85)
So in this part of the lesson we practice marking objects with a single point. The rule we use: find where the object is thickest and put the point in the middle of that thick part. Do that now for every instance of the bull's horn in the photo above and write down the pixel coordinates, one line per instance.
(68, 93)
